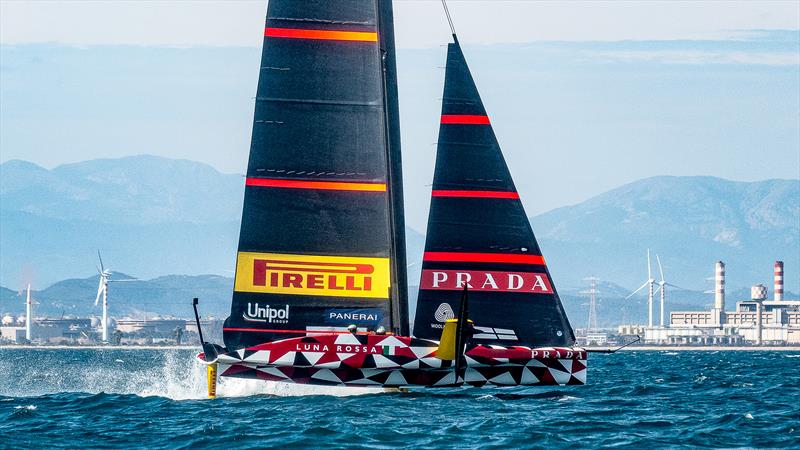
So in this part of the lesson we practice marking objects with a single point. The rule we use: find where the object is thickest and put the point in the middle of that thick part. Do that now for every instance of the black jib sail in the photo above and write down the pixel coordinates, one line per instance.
(321, 244)
(478, 234)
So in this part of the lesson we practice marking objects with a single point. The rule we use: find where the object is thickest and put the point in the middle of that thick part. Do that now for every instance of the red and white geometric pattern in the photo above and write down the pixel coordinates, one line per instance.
(398, 361)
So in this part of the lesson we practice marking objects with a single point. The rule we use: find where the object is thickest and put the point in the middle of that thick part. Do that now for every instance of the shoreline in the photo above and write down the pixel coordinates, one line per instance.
(648, 348)
(708, 348)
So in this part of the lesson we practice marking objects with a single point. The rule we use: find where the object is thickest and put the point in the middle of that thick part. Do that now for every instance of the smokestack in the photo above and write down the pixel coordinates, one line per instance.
(778, 281)
(719, 286)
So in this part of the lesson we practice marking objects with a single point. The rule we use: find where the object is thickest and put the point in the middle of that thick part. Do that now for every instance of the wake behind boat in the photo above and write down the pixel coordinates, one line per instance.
(320, 293)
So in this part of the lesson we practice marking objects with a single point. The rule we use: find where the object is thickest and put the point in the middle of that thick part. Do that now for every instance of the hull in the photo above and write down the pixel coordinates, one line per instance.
(398, 361)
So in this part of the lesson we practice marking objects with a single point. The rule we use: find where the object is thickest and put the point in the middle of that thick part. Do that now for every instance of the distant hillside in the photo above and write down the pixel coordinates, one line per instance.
(137, 190)
(152, 216)
(167, 295)
(149, 216)
(691, 222)
(171, 296)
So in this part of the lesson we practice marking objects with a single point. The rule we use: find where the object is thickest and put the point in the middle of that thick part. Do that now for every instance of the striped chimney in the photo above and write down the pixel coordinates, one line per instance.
(778, 281)
(719, 286)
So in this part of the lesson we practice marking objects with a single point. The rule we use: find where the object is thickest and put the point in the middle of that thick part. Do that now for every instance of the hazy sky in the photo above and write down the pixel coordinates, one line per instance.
(584, 96)
(419, 23)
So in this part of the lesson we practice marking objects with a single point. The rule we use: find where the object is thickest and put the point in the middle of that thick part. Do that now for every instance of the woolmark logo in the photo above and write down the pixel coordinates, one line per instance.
(312, 275)
(266, 314)
(444, 312)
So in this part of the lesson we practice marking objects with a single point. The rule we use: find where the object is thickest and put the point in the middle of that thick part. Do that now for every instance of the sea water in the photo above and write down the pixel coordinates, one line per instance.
(69, 398)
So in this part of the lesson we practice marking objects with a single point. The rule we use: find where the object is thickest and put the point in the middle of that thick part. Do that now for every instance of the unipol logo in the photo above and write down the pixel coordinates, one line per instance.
(312, 275)
(452, 280)
(266, 314)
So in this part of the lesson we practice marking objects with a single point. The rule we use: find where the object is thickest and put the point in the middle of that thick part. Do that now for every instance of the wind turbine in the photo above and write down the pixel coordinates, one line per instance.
(102, 290)
(662, 288)
(649, 285)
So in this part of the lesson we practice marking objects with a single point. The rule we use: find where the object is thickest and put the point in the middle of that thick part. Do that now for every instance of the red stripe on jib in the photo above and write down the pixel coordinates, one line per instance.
(320, 185)
(510, 258)
(475, 194)
(324, 35)
(464, 119)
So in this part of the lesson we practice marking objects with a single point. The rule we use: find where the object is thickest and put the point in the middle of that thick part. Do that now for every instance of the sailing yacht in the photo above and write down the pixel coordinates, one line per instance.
(320, 292)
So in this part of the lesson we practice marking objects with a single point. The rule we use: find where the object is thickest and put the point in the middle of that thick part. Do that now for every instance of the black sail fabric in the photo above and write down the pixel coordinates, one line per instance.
(478, 234)
(317, 242)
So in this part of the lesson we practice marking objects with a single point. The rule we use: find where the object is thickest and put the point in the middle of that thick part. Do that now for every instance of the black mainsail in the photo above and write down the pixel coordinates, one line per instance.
(321, 244)
(478, 234)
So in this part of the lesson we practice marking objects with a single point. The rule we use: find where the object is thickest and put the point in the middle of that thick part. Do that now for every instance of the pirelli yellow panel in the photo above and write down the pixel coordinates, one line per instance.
(330, 276)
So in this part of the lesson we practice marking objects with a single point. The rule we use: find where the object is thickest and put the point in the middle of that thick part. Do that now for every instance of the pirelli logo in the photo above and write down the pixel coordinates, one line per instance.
(332, 276)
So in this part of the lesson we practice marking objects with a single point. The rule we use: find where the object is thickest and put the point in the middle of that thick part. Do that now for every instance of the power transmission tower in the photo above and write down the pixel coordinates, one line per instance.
(592, 293)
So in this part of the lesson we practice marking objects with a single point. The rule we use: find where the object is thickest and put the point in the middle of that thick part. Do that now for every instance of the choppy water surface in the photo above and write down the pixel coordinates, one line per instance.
(149, 398)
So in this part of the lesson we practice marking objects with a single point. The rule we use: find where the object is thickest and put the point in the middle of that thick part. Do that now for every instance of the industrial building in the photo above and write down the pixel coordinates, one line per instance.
(755, 321)
(53, 331)
(125, 331)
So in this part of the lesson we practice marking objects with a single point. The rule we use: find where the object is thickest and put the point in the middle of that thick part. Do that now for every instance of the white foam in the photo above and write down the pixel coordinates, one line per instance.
(26, 407)
(174, 374)
(171, 374)
(701, 378)
(237, 387)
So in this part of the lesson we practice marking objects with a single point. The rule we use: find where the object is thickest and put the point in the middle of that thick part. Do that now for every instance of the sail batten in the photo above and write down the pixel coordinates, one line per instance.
(479, 236)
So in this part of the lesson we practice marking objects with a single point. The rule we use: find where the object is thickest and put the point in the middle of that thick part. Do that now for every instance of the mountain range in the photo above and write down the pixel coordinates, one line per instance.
(690, 222)
(154, 218)
(171, 296)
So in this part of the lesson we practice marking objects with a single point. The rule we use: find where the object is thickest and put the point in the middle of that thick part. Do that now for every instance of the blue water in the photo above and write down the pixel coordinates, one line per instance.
(146, 398)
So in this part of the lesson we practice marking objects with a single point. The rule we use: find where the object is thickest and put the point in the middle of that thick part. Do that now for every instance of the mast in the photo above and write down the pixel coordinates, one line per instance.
(105, 310)
(399, 294)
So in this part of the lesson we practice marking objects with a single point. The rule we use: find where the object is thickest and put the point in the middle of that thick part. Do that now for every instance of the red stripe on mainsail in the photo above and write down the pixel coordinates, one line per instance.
(464, 119)
(512, 258)
(321, 185)
(475, 194)
(324, 35)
